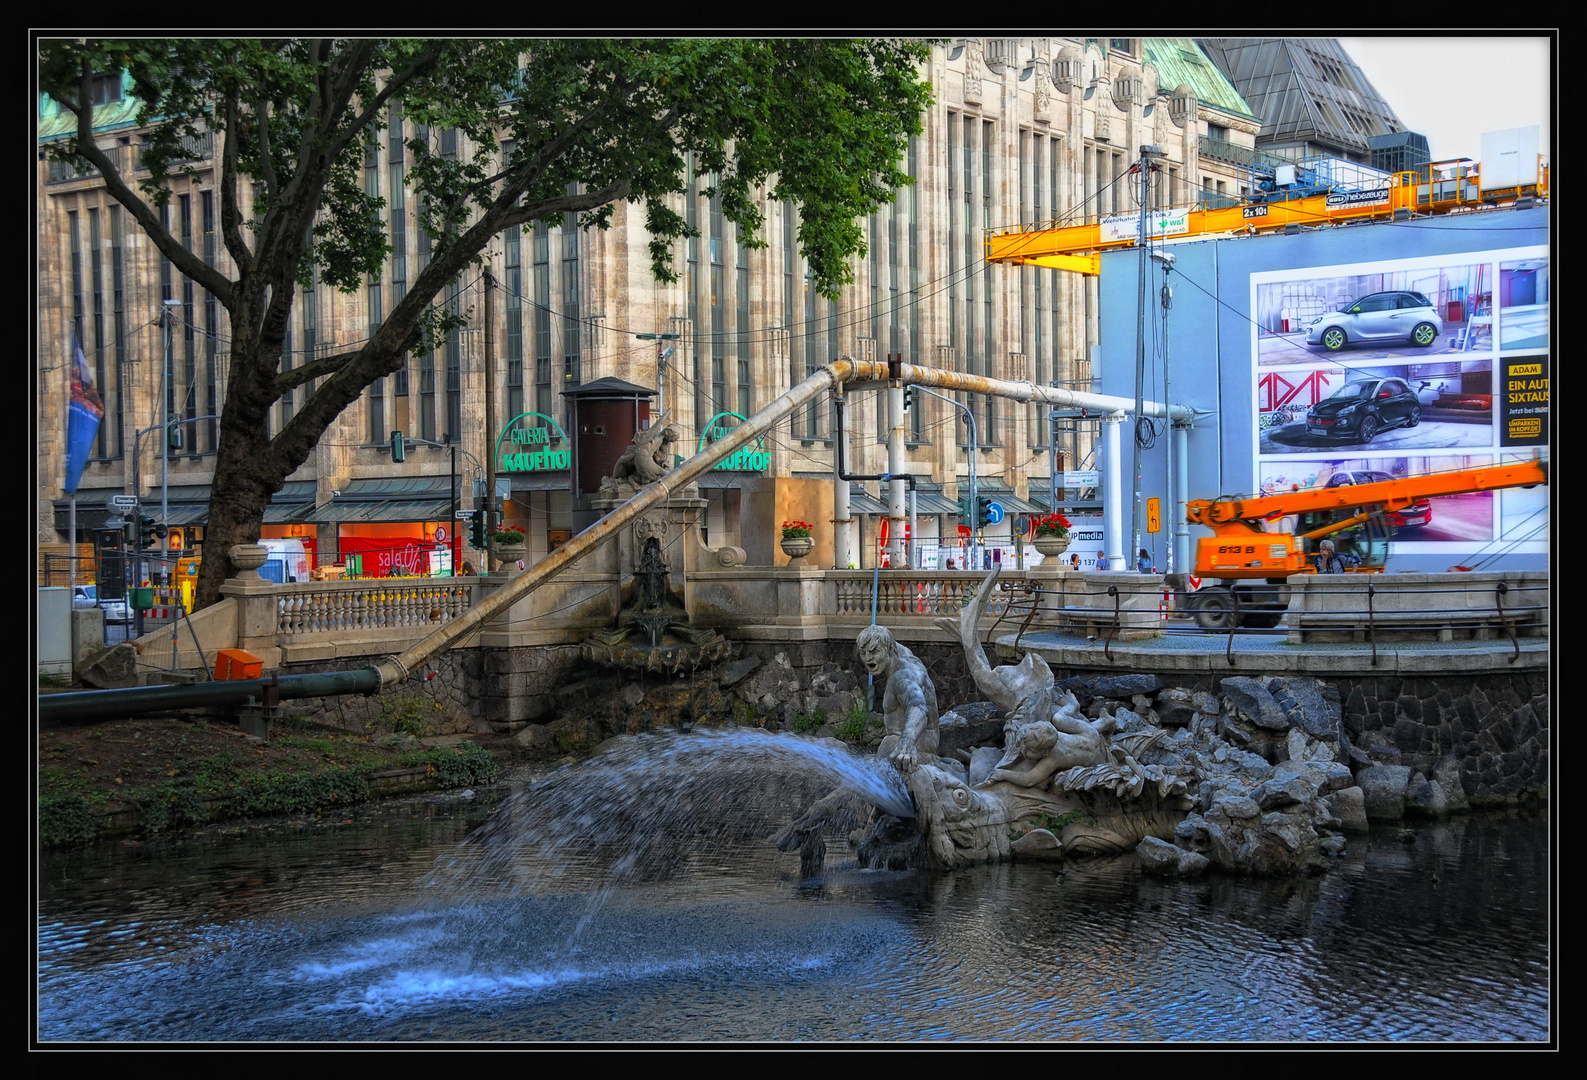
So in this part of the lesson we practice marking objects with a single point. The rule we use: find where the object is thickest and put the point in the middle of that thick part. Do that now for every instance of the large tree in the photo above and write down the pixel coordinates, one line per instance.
(820, 122)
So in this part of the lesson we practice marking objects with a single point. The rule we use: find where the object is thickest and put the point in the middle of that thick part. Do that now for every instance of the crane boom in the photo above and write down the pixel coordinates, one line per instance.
(1229, 515)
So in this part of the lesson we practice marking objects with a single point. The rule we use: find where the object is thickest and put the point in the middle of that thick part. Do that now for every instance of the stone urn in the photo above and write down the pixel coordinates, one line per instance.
(796, 548)
(1050, 546)
(248, 558)
(509, 554)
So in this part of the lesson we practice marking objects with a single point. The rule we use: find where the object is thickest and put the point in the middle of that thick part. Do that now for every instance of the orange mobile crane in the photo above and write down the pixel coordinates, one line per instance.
(1248, 565)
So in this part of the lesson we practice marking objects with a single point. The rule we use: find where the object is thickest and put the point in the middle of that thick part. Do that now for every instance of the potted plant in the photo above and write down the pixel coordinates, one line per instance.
(1052, 534)
(796, 541)
(508, 543)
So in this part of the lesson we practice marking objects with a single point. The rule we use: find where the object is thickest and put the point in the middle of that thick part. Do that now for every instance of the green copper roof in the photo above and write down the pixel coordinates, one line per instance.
(57, 122)
(1179, 60)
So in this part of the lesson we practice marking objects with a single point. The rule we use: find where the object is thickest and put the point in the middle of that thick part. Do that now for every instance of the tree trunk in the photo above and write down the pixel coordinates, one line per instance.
(247, 476)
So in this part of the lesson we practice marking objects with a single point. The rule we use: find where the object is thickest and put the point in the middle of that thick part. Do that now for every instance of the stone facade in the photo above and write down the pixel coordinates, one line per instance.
(1023, 131)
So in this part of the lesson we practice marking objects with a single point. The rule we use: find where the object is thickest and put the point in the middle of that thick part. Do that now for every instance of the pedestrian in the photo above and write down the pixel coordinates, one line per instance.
(1074, 559)
(1331, 562)
(1143, 563)
(950, 565)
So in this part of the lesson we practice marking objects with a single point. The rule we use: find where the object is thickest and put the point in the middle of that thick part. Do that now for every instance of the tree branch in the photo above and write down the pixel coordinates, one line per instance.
(314, 369)
(230, 213)
(420, 65)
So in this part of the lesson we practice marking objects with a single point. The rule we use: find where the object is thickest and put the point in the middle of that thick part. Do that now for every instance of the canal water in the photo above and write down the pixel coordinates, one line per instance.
(397, 923)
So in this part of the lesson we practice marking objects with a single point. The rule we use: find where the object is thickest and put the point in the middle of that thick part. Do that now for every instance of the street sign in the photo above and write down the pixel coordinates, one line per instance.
(1082, 478)
(124, 502)
(994, 512)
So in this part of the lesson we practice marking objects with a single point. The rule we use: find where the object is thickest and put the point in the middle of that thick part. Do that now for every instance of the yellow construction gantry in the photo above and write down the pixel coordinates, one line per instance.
(1446, 187)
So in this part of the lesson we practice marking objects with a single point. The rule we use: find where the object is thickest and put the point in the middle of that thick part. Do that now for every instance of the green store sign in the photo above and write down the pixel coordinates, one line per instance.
(745, 458)
(532, 442)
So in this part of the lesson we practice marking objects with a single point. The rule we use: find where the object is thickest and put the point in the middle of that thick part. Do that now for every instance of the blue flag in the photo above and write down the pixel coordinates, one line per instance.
(82, 417)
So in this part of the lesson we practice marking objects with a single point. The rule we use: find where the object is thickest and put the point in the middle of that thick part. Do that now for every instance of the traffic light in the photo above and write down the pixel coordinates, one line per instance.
(173, 436)
(399, 449)
(909, 398)
(145, 531)
(129, 530)
(983, 511)
(476, 528)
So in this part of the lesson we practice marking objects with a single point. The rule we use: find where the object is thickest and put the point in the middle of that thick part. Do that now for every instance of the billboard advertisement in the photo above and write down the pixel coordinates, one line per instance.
(1388, 368)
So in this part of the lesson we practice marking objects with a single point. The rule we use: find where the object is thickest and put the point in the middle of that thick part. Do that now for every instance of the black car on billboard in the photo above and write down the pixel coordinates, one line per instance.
(1361, 408)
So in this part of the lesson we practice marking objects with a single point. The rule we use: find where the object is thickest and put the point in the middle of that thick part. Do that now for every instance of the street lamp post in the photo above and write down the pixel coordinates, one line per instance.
(662, 352)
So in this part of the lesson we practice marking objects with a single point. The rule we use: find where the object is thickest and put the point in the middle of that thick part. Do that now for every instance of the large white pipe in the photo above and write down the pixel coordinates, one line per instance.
(843, 545)
(1113, 493)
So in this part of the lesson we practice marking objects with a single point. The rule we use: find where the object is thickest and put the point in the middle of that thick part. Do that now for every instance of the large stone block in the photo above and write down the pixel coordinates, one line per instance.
(1383, 790)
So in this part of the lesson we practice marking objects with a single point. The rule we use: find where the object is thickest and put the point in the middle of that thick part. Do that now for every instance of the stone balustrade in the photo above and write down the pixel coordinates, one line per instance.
(376, 604)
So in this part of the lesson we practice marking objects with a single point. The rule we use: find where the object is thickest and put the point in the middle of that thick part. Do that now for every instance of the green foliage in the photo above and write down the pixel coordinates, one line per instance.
(852, 727)
(1056, 823)
(409, 716)
(169, 805)
(461, 766)
(65, 820)
(807, 722)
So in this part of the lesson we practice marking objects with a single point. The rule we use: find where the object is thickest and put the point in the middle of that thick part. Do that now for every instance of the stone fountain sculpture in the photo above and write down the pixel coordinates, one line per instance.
(647, 459)
(653, 631)
(1062, 785)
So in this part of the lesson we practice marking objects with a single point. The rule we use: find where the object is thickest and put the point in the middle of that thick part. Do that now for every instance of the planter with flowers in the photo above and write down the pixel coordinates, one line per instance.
(508, 544)
(796, 541)
(1052, 535)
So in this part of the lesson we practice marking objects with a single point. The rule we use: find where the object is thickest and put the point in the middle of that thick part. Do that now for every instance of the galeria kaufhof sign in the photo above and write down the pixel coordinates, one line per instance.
(745, 458)
(526, 445)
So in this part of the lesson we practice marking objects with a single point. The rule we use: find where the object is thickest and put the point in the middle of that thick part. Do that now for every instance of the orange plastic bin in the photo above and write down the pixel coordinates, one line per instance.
(237, 664)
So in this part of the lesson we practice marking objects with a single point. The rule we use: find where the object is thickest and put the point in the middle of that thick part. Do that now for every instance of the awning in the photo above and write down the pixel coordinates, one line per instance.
(393, 499)
(556, 480)
(346, 513)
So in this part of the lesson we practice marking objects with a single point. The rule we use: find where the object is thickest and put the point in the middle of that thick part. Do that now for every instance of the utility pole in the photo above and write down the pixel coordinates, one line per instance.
(1150, 155)
(490, 423)
(167, 314)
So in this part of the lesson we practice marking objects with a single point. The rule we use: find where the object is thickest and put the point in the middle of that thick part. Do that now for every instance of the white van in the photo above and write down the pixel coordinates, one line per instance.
(287, 562)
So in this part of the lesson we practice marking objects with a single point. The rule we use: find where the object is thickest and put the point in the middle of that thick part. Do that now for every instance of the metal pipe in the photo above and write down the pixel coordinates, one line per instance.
(958, 381)
(99, 704)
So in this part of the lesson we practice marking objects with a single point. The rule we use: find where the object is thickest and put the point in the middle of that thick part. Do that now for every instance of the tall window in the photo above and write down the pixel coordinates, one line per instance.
(542, 308)
(454, 362)
(718, 311)
(375, 312)
(741, 322)
(211, 330)
(915, 421)
(988, 338)
(512, 267)
(96, 349)
(691, 286)
(398, 218)
(110, 387)
(571, 376)
(790, 317)
(188, 402)
(426, 360)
